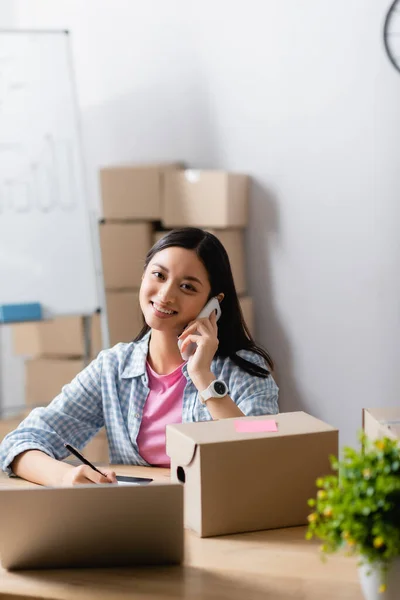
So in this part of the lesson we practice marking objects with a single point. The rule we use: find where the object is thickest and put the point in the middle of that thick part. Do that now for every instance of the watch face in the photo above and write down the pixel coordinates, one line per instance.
(220, 387)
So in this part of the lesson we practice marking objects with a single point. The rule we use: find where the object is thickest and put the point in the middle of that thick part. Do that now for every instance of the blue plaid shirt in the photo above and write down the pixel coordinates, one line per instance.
(111, 392)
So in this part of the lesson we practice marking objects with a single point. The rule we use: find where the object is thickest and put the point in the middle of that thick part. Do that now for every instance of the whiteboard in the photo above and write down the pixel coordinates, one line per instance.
(47, 251)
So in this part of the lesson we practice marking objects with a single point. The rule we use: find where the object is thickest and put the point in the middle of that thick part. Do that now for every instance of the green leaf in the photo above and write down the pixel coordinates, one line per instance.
(363, 499)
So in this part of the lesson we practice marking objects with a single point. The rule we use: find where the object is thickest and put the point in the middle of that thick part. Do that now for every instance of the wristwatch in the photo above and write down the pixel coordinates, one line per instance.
(216, 389)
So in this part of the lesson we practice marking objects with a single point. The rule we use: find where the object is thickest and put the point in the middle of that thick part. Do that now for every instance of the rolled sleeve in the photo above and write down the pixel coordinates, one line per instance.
(74, 416)
(255, 396)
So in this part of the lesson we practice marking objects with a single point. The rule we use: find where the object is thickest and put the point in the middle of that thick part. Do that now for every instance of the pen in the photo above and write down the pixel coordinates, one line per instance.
(82, 458)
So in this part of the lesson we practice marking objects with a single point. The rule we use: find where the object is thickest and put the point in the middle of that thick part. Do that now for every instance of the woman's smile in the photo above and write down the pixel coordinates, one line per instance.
(161, 312)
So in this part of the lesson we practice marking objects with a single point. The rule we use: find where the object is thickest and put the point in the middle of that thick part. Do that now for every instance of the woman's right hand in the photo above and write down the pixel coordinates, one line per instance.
(85, 475)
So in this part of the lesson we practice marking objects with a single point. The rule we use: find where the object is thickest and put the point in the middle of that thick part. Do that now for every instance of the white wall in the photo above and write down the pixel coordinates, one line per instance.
(301, 96)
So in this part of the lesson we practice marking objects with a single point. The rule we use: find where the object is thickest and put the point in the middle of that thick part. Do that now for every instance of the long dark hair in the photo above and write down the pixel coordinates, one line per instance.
(233, 333)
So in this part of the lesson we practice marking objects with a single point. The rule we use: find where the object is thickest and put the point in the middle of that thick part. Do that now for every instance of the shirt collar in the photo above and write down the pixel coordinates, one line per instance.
(135, 363)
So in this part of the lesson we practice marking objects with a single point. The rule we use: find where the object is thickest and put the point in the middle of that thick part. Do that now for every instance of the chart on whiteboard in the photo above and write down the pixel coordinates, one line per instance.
(46, 234)
(37, 169)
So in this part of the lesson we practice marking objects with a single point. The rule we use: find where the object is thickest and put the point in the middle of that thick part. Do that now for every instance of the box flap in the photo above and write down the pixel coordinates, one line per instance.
(395, 429)
(183, 438)
(386, 416)
(382, 420)
(179, 446)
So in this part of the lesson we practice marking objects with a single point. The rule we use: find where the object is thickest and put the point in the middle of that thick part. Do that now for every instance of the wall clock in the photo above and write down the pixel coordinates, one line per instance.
(391, 34)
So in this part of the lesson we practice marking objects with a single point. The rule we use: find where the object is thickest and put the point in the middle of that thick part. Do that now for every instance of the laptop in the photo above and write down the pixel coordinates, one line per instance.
(91, 526)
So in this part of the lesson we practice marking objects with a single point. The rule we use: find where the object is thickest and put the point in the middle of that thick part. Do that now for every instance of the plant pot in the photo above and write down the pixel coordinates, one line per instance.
(370, 579)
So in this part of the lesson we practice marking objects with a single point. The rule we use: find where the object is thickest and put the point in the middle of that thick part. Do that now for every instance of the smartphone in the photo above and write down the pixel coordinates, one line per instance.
(123, 479)
(211, 305)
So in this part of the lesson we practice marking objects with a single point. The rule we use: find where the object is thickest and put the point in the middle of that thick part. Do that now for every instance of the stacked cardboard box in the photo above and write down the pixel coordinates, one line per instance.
(55, 352)
(131, 204)
(135, 199)
(218, 202)
(124, 246)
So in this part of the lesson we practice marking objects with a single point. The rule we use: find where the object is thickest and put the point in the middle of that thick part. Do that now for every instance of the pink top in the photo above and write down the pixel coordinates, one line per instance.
(163, 407)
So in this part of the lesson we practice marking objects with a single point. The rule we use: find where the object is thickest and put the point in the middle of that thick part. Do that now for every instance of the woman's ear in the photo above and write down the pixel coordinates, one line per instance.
(220, 297)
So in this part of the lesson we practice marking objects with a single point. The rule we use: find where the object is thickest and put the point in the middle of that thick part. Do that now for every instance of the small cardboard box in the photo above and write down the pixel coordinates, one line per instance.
(123, 249)
(133, 191)
(382, 422)
(205, 199)
(237, 481)
(124, 316)
(246, 304)
(157, 235)
(233, 242)
(45, 377)
(62, 337)
(97, 450)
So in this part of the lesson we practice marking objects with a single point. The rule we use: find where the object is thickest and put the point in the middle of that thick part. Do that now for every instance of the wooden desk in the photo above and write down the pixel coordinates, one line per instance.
(265, 565)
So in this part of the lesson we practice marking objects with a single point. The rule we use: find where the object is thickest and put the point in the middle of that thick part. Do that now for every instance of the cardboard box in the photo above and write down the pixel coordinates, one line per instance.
(246, 304)
(124, 316)
(60, 337)
(233, 242)
(237, 482)
(133, 191)
(157, 235)
(123, 250)
(45, 377)
(97, 449)
(382, 422)
(205, 199)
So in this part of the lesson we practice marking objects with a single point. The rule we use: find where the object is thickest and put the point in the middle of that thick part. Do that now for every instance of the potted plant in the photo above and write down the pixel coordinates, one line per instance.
(358, 510)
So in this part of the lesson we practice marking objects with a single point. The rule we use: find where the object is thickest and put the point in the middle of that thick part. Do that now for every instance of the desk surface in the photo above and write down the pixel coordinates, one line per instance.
(277, 565)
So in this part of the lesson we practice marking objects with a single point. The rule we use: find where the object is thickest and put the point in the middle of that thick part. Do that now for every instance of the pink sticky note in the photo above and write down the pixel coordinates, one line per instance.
(256, 426)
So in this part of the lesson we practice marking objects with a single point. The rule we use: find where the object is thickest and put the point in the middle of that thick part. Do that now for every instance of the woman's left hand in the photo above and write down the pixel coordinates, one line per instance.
(206, 340)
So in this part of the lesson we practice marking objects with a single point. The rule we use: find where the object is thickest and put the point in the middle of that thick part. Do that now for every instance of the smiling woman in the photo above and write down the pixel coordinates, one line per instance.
(170, 291)
(136, 389)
